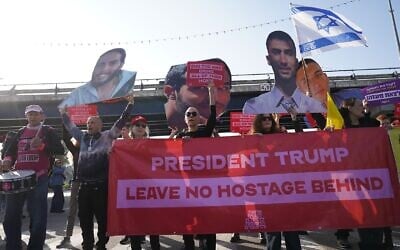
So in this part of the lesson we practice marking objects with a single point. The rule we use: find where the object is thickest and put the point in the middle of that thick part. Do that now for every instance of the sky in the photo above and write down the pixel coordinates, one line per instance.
(46, 41)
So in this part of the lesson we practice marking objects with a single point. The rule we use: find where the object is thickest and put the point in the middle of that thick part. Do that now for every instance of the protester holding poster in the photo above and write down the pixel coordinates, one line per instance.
(311, 80)
(108, 80)
(184, 91)
(285, 96)
(140, 130)
(356, 115)
(266, 124)
(93, 172)
(353, 115)
(125, 134)
(192, 120)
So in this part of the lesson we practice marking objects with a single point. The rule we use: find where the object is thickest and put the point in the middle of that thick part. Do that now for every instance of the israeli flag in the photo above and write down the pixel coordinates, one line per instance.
(320, 30)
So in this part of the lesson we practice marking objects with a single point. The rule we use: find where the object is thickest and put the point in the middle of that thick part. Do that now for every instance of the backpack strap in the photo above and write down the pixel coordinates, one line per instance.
(19, 133)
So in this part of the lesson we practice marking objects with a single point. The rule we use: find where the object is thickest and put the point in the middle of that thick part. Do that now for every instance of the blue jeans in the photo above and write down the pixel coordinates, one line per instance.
(37, 208)
(57, 203)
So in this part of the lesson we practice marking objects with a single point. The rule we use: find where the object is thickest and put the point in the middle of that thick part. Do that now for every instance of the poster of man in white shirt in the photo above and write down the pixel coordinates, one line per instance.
(285, 96)
(108, 80)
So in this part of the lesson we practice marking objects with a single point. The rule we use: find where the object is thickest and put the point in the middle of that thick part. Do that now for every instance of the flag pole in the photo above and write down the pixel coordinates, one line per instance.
(306, 77)
(394, 26)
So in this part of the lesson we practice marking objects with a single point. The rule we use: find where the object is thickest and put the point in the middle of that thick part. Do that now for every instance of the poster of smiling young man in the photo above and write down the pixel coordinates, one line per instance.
(286, 96)
(186, 86)
(108, 80)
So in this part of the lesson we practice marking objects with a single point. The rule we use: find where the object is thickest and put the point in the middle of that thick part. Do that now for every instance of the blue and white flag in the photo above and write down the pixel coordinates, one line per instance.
(320, 30)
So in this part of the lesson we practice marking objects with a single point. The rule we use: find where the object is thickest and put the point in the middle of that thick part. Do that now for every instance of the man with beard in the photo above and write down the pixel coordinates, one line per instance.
(181, 96)
(108, 80)
(284, 97)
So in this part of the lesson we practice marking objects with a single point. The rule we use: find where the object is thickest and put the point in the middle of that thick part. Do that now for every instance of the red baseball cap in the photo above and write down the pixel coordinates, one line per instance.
(137, 119)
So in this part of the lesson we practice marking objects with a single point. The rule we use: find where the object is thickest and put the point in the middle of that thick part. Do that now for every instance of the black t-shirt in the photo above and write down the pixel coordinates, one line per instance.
(365, 122)
(207, 131)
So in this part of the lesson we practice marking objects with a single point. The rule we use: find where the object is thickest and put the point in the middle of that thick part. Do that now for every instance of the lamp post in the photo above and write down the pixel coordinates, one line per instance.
(394, 26)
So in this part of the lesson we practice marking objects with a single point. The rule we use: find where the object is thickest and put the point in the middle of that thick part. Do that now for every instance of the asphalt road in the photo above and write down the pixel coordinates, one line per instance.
(56, 226)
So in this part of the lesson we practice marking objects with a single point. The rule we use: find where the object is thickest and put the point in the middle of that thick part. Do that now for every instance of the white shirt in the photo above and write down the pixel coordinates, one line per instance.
(271, 102)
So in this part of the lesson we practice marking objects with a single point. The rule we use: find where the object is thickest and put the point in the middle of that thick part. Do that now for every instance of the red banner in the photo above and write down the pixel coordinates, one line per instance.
(278, 182)
(79, 114)
(201, 73)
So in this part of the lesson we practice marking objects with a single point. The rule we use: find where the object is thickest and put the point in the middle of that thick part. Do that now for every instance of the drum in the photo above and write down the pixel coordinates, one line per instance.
(17, 181)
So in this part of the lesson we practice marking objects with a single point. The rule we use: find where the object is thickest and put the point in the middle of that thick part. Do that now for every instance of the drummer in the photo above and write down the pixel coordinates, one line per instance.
(31, 151)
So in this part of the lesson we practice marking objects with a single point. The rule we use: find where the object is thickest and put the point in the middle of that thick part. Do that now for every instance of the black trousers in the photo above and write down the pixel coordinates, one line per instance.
(92, 201)
(342, 234)
(371, 238)
(136, 242)
(210, 241)
(292, 240)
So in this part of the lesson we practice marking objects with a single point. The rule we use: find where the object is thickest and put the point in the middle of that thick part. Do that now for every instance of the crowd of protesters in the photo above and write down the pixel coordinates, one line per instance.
(93, 182)
(90, 150)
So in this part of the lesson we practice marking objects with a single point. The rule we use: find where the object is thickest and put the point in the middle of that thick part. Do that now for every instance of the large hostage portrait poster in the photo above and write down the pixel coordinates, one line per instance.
(186, 86)
(108, 81)
(300, 85)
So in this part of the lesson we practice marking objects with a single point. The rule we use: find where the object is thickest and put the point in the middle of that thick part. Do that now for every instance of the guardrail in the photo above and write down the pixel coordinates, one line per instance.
(154, 87)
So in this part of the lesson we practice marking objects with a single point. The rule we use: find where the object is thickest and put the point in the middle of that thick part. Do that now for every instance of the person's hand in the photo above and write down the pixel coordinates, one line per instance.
(211, 84)
(365, 105)
(6, 165)
(63, 110)
(174, 131)
(186, 138)
(130, 98)
(329, 128)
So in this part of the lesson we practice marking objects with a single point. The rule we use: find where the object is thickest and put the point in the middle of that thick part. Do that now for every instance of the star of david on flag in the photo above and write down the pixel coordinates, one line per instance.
(320, 30)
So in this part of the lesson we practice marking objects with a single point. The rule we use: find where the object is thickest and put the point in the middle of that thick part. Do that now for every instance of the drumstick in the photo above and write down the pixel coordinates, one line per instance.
(40, 128)
(37, 132)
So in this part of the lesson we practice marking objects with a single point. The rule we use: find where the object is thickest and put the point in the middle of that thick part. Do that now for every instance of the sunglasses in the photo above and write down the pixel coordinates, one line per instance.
(189, 114)
(141, 125)
(266, 118)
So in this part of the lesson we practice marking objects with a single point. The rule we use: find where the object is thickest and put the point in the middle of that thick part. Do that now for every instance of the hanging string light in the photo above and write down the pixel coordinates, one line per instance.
(186, 37)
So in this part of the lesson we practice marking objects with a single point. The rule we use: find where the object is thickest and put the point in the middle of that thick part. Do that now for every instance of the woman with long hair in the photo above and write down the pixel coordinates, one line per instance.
(265, 124)
(356, 115)
(140, 130)
(269, 124)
